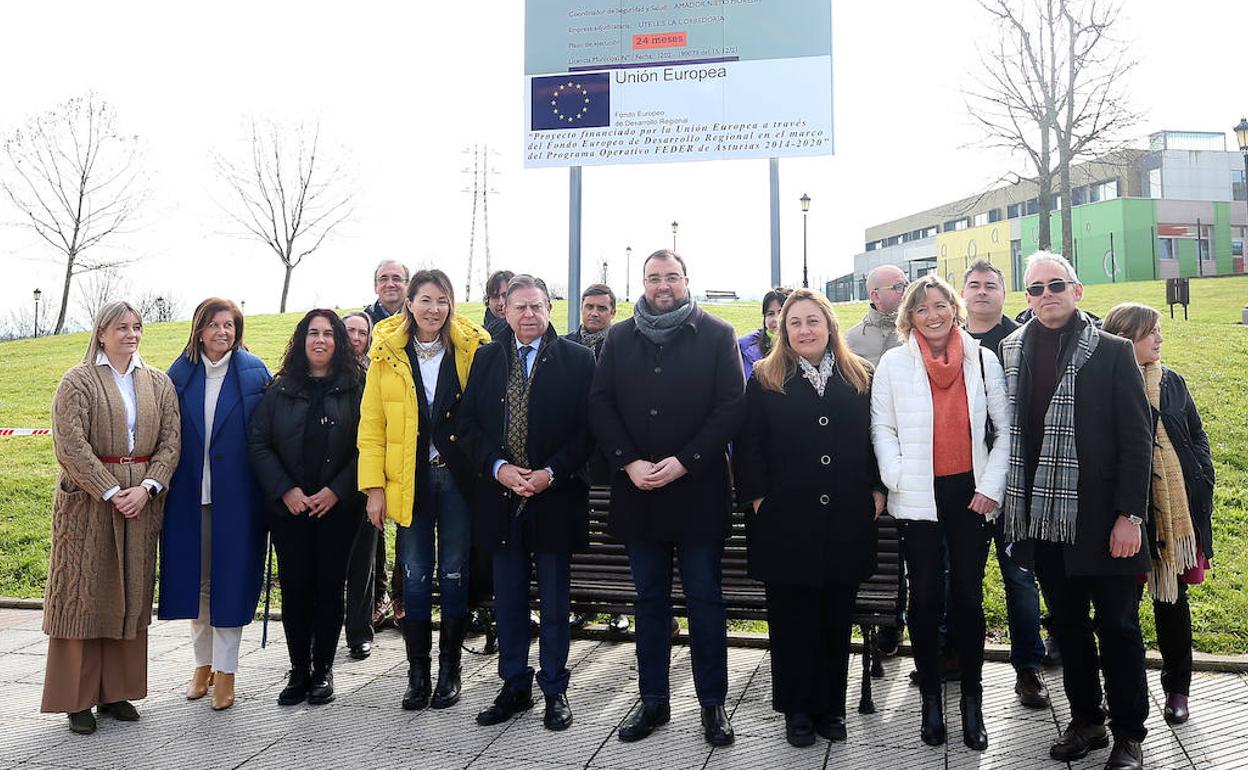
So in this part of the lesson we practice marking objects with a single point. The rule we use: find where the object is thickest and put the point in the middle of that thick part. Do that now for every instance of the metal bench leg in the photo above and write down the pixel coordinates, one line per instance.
(865, 703)
(877, 659)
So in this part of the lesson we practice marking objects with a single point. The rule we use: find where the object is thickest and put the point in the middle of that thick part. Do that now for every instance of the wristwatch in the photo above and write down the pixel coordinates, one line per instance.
(1136, 520)
(550, 471)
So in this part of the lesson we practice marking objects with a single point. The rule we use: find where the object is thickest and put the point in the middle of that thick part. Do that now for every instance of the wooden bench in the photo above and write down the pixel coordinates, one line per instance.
(602, 583)
(713, 295)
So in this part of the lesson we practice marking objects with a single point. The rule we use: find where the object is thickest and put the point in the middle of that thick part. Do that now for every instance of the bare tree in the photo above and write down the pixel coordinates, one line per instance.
(1053, 84)
(97, 290)
(286, 195)
(77, 182)
(160, 306)
(1096, 111)
(1014, 100)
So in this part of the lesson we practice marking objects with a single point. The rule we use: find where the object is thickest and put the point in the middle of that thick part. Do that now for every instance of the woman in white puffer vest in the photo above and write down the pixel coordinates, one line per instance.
(939, 417)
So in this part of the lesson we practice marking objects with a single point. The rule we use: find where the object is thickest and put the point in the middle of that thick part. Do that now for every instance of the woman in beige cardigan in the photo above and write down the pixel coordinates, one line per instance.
(117, 435)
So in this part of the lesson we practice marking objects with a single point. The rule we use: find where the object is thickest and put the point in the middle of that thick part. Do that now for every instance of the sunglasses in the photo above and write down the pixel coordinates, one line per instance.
(1055, 286)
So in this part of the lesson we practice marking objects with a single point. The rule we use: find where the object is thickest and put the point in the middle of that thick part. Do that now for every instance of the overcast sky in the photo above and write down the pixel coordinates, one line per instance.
(404, 88)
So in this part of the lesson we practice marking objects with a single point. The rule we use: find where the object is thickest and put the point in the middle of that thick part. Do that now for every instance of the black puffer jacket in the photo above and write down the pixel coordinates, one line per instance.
(276, 442)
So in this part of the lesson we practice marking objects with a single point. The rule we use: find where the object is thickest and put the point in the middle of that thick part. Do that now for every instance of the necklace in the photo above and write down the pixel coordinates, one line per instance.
(427, 350)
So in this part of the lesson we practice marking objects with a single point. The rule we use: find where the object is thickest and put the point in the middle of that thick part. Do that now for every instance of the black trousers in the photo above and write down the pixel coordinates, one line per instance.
(312, 557)
(809, 629)
(966, 534)
(1116, 600)
(1174, 640)
(362, 574)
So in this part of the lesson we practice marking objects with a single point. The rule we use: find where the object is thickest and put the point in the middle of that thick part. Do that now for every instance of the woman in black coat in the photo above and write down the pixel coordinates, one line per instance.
(805, 463)
(1180, 524)
(303, 452)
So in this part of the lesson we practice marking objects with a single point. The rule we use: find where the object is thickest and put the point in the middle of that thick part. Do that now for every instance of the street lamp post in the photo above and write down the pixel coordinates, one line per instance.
(628, 273)
(675, 227)
(1241, 135)
(805, 199)
(604, 271)
(38, 294)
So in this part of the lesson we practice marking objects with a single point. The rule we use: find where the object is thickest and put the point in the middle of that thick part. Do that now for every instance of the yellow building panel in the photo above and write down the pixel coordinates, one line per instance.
(956, 250)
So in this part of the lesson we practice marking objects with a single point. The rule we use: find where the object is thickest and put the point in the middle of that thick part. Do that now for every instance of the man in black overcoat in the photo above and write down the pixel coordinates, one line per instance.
(523, 424)
(1076, 496)
(667, 397)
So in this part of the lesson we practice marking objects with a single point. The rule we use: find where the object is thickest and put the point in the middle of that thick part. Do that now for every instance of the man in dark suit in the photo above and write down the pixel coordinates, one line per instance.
(1076, 496)
(667, 397)
(523, 424)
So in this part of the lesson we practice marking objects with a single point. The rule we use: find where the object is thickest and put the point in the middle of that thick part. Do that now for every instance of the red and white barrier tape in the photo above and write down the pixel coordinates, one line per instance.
(25, 431)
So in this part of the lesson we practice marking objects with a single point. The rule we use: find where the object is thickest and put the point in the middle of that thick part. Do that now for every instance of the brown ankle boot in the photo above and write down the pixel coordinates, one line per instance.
(200, 681)
(222, 691)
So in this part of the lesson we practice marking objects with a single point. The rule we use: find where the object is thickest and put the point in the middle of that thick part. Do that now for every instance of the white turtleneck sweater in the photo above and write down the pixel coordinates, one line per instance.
(213, 380)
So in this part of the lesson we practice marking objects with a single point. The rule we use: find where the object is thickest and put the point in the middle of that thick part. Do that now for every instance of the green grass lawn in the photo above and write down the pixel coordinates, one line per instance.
(1210, 350)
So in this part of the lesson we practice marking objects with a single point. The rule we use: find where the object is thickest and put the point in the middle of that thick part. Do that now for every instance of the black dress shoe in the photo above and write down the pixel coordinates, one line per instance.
(1077, 740)
(799, 731)
(832, 728)
(1126, 755)
(1030, 689)
(1176, 708)
(322, 689)
(619, 625)
(642, 720)
(932, 727)
(508, 703)
(715, 726)
(887, 640)
(558, 714)
(974, 734)
(122, 711)
(296, 689)
(82, 722)
(361, 651)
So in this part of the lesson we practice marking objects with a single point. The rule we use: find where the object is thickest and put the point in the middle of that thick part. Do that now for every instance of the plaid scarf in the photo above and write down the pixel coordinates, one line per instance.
(1054, 496)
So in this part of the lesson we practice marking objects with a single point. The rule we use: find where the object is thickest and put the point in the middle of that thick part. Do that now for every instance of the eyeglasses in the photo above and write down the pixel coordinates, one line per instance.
(1055, 286)
(898, 287)
(671, 279)
(391, 279)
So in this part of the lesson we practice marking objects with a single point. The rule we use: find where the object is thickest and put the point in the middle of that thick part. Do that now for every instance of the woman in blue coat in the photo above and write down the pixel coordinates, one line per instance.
(212, 547)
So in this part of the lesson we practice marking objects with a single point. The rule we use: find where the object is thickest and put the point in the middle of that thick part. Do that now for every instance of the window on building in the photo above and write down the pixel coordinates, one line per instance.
(931, 231)
(1108, 190)
(871, 245)
(1237, 185)
(949, 226)
(980, 219)
(1079, 196)
(1033, 207)
(994, 215)
(1012, 211)
(892, 241)
(962, 223)
(1165, 248)
(1057, 202)
(1154, 183)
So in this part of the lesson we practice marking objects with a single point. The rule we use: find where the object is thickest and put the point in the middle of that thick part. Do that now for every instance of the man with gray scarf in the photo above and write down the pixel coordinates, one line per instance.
(668, 396)
(1076, 496)
(877, 332)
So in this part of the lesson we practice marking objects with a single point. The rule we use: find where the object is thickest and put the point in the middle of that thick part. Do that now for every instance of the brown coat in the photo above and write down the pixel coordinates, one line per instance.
(101, 572)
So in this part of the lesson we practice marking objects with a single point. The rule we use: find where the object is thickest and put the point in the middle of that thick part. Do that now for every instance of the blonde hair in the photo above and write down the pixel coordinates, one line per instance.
(1131, 320)
(916, 294)
(108, 315)
(781, 363)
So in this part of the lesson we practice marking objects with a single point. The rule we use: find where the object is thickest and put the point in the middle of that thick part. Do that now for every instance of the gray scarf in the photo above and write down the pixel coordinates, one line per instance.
(1054, 495)
(592, 340)
(661, 328)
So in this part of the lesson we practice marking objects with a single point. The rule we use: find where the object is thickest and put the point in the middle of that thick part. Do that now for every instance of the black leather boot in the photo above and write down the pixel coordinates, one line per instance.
(322, 689)
(932, 730)
(974, 734)
(450, 648)
(417, 635)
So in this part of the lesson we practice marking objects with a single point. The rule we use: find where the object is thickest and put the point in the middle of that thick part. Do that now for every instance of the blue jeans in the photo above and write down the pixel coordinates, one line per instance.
(511, 610)
(441, 502)
(701, 576)
(1022, 609)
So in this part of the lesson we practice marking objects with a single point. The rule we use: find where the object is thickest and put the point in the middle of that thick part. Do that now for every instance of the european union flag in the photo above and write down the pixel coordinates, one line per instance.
(577, 100)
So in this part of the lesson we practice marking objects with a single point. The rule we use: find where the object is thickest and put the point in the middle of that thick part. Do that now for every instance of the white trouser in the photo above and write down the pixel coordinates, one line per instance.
(217, 647)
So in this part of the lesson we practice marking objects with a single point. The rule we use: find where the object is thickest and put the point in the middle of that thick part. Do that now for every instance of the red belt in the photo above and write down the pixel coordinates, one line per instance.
(124, 460)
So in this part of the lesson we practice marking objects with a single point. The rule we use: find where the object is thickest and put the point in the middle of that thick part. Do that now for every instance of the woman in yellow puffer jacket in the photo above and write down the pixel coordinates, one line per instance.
(413, 472)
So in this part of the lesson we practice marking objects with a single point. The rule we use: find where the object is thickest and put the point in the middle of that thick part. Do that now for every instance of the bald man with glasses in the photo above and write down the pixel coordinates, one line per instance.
(877, 332)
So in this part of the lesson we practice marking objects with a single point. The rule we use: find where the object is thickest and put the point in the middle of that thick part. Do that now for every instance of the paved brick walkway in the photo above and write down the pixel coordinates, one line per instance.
(365, 728)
